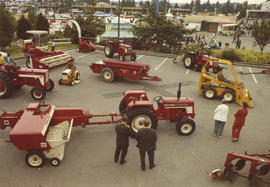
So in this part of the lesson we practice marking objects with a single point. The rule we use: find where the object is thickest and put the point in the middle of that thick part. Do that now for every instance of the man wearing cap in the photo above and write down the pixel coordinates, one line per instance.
(146, 139)
(122, 140)
(220, 118)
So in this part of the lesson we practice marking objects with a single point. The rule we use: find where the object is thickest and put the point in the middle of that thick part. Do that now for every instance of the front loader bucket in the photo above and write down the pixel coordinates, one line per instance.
(246, 98)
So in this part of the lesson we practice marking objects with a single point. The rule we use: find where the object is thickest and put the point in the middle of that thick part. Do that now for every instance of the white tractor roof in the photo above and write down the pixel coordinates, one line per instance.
(37, 32)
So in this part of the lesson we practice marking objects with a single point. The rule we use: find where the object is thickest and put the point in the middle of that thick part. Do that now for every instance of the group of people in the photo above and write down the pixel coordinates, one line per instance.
(146, 142)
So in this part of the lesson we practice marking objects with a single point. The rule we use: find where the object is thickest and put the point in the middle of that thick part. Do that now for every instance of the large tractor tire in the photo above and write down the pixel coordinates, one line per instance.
(38, 93)
(122, 106)
(209, 92)
(51, 87)
(185, 127)
(189, 61)
(228, 95)
(137, 115)
(108, 50)
(34, 159)
(107, 75)
(5, 85)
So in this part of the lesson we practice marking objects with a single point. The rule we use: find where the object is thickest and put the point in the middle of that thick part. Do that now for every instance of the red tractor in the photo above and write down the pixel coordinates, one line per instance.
(119, 47)
(16, 77)
(137, 107)
(196, 60)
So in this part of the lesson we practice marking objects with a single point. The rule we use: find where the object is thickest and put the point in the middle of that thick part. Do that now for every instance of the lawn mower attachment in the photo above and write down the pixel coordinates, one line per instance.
(259, 167)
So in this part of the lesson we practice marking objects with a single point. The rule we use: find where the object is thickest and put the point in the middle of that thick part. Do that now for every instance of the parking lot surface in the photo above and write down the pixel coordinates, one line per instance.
(181, 160)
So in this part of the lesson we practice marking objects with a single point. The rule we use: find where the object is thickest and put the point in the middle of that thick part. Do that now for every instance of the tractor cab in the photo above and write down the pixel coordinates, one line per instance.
(224, 84)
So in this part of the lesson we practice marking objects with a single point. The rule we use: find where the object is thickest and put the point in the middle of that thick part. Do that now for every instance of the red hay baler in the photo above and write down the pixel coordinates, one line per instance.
(110, 69)
(43, 129)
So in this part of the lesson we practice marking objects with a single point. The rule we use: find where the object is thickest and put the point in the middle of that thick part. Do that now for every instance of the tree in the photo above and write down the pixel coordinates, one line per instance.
(261, 33)
(7, 29)
(243, 14)
(154, 30)
(23, 26)
(42, 23)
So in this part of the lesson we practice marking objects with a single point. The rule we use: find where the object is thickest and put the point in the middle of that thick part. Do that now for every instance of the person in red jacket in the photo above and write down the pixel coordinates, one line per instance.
(239, 122)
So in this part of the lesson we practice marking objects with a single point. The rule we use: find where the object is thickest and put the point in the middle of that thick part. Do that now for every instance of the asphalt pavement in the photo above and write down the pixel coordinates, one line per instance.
(181, 161)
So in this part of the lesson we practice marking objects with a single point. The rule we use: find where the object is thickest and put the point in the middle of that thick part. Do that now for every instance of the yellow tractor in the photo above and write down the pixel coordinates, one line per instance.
(70, 75)
(216, 85)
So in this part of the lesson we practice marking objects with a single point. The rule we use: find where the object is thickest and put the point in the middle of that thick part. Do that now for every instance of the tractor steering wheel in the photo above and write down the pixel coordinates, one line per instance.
(158, 99)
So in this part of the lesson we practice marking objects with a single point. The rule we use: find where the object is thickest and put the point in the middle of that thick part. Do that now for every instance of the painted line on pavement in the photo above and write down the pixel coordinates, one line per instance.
(253, 75)
(161, 63)
(187, 71)
(82, 56)
(139, 57)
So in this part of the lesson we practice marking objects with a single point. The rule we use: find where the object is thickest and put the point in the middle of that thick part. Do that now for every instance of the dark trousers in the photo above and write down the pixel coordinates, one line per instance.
(150, 156)
(123, 150)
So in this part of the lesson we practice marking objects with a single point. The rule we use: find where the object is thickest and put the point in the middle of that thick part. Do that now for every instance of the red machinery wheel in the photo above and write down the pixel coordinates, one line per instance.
(107, 75)
(189, 61)
(34, 159)
(137, 115)
(185, 127)
(38, 93)
(209, 92)
(55, 162)
(122, 57)
(108, 50)
(5, 85)
(51, 87)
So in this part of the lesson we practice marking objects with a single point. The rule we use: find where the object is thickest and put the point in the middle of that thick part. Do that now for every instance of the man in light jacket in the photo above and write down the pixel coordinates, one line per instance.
(220, 118)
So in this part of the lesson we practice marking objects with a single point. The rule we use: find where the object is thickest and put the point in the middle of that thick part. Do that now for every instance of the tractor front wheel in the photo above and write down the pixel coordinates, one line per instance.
(122, 57)
(51, 85)
(60, 81)
(137, 115)
(122, 106)
(108, 50)
(55, 162)
(34, 159)
(133, 57)
(107, 75)
(5, 85)
(209, 92)
(189, 61)
(185, 127)
(38, 93)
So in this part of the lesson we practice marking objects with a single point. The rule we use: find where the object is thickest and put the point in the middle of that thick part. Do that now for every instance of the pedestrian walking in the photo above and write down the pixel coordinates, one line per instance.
(53, 44)
(122, 140)
(220, 118)
(239, 122)
(146, 139)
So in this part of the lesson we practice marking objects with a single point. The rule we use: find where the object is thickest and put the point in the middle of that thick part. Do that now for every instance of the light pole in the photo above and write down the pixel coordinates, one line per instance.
(118, 30)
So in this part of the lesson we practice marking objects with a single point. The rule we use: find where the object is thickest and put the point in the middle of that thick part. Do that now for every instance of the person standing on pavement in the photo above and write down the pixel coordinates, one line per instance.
(239, 122)
(220, 118)
(122, 140)
(146, 139)
(53, 44)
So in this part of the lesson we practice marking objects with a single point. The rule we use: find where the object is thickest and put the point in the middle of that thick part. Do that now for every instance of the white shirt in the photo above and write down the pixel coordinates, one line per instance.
(221, 113)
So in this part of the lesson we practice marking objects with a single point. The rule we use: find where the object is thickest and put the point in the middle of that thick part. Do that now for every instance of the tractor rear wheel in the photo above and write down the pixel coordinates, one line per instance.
(107, 75)
(185, 127)
(5, 85)
(51, 87)
(108, 50)
(138, 115)
(34, 159)
(133, 57)
(122, 106)
(38, 93)
(228, 95)
(209, 92)
(122, 57)
(189, 61)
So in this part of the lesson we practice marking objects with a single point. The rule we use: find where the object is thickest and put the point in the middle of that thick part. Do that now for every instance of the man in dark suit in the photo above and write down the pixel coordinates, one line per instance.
(122, 140)
(147, 138)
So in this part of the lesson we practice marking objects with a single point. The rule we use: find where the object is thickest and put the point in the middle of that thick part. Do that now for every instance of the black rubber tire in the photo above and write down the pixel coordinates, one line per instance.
(71, 83)
(133, 57)
(39, 155)
(78, 76)
(108, 47)
(183, 124)
(122, 106)
(263, 170)
(192, 63)
(27, 62)
(209, 89)
(107, 75)
(228, 95)
(122, 57)
(55, 162)
(60, 81)
(42, 92)
(142, 111)
(51, 85)
(8, 84)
